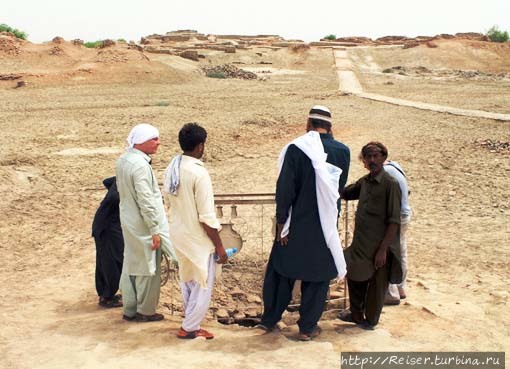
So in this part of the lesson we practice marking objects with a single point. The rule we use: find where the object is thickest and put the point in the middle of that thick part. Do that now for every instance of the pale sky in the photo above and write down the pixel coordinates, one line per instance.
(292, 19)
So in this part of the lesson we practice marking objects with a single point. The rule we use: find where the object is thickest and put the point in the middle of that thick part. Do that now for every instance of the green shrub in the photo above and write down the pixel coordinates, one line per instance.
(496, 35)
(93, 44)
(216, 75)
(162, 103)
(330, 37)
(121, 40)
(16, 32)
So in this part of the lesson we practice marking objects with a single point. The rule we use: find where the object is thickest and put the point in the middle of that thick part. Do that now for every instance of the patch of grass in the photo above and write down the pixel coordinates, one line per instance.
(121, 40)
(216, 75)
(330, 37)
(496, 35)
(162, 103)
(16, 32)
(93, 44)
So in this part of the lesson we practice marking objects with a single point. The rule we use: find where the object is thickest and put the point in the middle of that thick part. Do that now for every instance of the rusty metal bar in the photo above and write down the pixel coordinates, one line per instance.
(244, 195)
(243, 201)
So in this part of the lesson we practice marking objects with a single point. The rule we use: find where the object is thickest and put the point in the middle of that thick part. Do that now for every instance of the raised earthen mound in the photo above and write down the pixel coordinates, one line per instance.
(61, 62)
(58, 40)
(457, 74)
(10, 44)
(451, 54)
(356, 40)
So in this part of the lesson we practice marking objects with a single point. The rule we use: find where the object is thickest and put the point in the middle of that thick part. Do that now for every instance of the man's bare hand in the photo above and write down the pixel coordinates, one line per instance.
(222, 255)
(156, 242)
(283, 240)
(380, 258)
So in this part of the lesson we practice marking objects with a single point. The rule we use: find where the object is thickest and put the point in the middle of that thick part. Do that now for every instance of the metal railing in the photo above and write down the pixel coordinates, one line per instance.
(252, 216)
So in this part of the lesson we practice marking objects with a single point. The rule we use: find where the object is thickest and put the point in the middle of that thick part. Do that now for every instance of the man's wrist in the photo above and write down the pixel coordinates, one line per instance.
(383, 248)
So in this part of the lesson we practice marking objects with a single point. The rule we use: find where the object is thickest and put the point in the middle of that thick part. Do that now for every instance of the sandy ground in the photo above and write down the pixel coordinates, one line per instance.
(60, 138)
(432, 74)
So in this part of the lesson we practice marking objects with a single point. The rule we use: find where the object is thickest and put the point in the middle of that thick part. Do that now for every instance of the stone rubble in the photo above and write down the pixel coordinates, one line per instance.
(228, 71)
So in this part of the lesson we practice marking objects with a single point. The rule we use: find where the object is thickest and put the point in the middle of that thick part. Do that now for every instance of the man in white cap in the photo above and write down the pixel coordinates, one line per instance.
(312, 170)
(144, 226)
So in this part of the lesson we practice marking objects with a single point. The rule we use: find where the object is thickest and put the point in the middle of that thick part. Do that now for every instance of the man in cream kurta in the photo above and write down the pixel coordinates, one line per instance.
(194, 228)
(144, 226)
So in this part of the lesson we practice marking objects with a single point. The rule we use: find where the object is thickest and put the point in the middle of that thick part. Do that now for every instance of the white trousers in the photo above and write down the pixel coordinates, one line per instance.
(394, 290)
(196, 299)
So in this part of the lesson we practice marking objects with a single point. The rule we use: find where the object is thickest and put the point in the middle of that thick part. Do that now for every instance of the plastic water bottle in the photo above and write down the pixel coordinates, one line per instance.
(230, 252)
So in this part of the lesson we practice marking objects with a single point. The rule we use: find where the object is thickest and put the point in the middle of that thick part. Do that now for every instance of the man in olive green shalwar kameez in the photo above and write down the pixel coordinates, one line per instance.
(373, 259)
(144, 226)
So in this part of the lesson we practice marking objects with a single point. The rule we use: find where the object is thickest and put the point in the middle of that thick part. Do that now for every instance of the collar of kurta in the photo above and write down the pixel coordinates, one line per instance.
(193, 160)
(144, 155)
(326, 136)
(377, 178)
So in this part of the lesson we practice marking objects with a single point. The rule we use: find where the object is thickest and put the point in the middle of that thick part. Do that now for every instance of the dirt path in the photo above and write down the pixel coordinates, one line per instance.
(349, 83)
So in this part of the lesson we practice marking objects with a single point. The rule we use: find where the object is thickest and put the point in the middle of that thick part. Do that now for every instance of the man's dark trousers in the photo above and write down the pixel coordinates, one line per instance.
(277, 293)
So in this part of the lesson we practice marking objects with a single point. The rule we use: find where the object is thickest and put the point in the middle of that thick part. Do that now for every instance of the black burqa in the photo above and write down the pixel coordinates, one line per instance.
(109, 242)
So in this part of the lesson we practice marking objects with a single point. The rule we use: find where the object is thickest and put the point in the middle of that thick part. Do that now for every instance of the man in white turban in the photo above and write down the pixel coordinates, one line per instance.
(144, 226)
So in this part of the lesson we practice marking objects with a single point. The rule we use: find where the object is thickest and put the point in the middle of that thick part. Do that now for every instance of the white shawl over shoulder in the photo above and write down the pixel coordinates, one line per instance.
(326, 179)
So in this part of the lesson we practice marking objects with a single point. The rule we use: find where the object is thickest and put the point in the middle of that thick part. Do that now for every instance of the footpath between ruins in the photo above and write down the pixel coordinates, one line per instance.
(349, 83)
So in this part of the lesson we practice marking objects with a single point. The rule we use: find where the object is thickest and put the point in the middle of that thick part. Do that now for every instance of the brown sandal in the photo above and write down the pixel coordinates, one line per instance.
(347, 316)
(114, 302)
(149, 318)
(309, 336)
(194, 334)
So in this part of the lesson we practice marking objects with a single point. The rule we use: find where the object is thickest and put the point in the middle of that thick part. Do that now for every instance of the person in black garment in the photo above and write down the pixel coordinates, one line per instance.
(107, 234)
(303, 253)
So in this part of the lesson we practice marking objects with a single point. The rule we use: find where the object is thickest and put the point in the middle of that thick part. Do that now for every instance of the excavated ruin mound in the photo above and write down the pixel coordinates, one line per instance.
(157, 58)
(453, 54)
(69, 62)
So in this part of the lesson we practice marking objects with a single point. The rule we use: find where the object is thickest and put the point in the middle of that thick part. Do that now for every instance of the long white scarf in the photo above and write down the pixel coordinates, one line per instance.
(326, 185)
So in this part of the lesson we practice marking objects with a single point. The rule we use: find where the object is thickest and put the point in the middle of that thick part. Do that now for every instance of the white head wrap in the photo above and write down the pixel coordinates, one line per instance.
(141, 133)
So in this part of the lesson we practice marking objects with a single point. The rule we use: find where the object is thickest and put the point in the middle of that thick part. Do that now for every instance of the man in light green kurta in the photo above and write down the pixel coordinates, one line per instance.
(144, 226)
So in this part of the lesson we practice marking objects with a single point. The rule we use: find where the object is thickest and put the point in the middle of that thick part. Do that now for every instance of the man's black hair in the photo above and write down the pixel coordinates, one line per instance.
(374, 145)
(191, 135)
(319, 123)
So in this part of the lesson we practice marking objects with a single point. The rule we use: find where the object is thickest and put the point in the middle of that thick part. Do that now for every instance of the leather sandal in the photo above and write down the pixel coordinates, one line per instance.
(366, 325)
(347, 316)
(264, 328)
(194, 334)
(114, 302)
(309, 336)
(149, 318)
